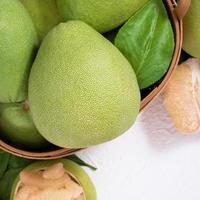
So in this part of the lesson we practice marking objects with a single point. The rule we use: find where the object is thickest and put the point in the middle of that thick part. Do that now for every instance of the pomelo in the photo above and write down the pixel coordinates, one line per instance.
(82, 90)
(44, 15)
(17, 128)
(103, 15)
(18, 42)
(191, 27)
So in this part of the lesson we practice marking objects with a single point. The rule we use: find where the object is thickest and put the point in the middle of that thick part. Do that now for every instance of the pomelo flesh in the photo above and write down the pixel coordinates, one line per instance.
(182, 97)
(74, 169)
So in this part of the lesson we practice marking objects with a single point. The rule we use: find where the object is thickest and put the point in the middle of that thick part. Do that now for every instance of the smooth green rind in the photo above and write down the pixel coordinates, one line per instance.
(191, 28)
(16, 127)
(18, 41)
(44, 14)
(147, 41)
(82, 90)
(71, 167)
(103, 15)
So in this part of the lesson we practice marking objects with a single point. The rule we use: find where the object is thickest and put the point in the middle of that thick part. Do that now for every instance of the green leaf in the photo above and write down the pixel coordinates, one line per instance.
(147, 41)
(77, 160)
(17, 162)
(4, 160)
(6, 183)
(10, 166)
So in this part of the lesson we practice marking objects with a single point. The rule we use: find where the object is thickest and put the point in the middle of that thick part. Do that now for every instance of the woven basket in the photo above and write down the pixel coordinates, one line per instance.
(176, 12)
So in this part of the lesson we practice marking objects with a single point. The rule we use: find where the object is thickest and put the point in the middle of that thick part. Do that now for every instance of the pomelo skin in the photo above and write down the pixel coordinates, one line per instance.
(72, 168)
(82, 90)
(18, 41)
(16, 127)
(44, 14)
(103, 15)
(191, 27)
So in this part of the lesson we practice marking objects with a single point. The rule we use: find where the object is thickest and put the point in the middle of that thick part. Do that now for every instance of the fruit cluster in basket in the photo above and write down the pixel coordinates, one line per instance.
(72, 72)
(72, 75)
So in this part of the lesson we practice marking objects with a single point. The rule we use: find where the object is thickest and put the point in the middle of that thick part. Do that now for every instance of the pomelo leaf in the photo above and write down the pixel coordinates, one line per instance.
(6, 183)
(4, 160)
(77, 160)
(147, 41)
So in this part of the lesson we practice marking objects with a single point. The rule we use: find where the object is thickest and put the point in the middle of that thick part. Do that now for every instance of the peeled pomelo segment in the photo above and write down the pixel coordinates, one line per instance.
(81, 197)
(74, 188)
(54, 172)
(54, 178)
(196, 81)
(25, 192)
(31, 178)
(51, 194)
(182, 96)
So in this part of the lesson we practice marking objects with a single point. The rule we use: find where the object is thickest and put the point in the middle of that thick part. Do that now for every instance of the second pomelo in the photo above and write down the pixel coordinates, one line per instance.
(44, 15)
(16, 127)
(82, 90)
(103, 15)
(191, 27)
(18, 42)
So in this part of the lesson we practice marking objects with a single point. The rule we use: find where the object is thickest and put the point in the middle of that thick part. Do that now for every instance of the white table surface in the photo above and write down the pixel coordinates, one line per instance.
(151, 161)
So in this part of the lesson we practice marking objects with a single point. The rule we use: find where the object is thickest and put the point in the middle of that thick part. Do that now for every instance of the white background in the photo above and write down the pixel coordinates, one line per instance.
(151, 161)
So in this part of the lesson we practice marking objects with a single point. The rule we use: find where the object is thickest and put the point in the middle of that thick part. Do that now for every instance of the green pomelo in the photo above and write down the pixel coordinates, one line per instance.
(44, 14)
(82, 90)
(72, 168)
(16, 127)
(191, 27)
(103, 15)
(18, 41)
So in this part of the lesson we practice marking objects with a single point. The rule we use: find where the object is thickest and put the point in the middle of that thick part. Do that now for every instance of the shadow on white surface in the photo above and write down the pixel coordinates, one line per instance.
(151, 161)
(160, 129)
